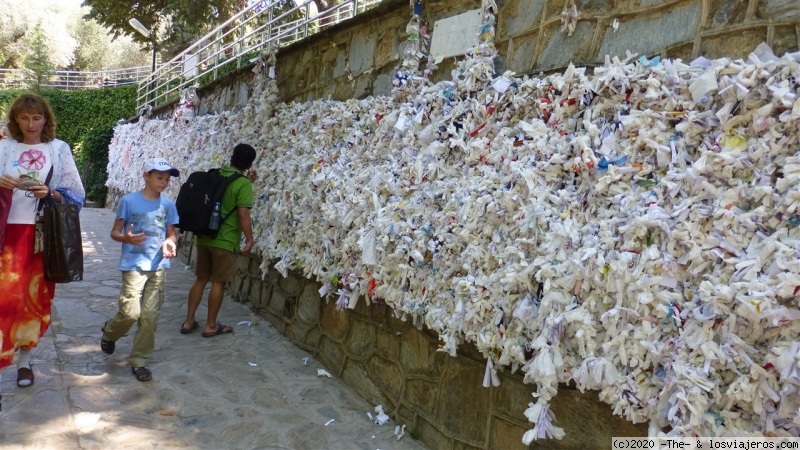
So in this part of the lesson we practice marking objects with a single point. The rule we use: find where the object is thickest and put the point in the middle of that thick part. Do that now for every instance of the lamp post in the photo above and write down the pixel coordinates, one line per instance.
(146, 33)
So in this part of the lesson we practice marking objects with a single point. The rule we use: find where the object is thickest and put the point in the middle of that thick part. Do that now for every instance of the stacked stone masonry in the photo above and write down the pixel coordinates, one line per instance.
(358, 58)
(390, 361)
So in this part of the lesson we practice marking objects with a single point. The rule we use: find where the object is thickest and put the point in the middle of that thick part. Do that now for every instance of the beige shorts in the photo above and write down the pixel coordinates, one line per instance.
(214, 263)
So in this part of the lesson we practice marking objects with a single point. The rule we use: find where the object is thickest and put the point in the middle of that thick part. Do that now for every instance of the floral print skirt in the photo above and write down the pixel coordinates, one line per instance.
(25, 296)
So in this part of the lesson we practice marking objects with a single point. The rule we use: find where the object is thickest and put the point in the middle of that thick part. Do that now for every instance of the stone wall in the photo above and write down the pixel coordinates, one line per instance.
(529, 33)
(391, 362)
(359, 57)
(228, 93)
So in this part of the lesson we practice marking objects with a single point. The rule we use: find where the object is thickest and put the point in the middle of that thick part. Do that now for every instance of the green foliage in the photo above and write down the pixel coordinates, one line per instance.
(93, 49)
(38, 61)
(83, 116)
(92, 161)
(80, 111)
(176, 23)
(96, 51)
(18, 21)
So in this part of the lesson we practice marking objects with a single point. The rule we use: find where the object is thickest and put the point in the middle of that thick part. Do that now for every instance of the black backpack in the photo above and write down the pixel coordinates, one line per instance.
(196, 200)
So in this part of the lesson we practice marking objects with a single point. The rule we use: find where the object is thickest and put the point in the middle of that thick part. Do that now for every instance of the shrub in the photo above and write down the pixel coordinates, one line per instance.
(92, 160)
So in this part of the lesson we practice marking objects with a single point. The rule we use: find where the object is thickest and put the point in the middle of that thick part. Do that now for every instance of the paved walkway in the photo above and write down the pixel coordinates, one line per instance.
(247, 390)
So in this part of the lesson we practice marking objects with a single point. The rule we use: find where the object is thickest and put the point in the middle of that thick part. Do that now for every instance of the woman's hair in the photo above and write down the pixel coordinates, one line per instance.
(32, 104)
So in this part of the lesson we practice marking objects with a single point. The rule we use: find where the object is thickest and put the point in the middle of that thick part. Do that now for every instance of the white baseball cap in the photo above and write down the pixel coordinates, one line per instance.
(161, 165)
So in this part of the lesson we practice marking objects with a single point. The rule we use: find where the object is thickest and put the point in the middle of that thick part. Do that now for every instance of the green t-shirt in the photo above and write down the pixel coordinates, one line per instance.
(238, 194)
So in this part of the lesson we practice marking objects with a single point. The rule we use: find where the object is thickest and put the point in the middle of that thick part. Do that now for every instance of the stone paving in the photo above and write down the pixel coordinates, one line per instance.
(248, 390)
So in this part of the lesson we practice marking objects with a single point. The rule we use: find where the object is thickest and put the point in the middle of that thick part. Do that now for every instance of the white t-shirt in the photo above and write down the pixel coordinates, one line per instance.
(34, 161)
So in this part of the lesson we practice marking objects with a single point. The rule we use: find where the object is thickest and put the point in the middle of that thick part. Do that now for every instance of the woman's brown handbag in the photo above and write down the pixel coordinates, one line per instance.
(63, 246)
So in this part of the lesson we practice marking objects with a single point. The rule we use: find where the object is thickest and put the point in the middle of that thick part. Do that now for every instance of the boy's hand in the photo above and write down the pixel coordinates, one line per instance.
(251, 175)
(134, 239)
(169, 249)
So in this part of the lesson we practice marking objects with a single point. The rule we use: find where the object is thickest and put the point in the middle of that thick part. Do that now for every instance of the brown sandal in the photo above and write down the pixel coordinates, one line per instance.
(142, 373)
(221, 329)
(191, 328)
(106, 346)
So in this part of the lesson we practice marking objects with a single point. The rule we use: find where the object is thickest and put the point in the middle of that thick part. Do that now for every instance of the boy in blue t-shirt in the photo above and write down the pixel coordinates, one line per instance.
(145, 225)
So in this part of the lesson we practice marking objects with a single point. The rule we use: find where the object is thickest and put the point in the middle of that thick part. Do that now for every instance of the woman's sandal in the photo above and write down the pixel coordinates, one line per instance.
(24, 377)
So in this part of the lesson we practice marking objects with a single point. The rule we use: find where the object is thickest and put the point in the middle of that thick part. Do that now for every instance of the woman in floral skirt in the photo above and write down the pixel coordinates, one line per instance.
(33, 164)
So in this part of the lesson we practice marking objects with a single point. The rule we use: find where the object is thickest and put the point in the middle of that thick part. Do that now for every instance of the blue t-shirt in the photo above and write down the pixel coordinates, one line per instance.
(150, 217)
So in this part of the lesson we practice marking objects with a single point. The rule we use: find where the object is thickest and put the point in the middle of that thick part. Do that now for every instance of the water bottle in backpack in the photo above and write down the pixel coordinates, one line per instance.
(215, 216)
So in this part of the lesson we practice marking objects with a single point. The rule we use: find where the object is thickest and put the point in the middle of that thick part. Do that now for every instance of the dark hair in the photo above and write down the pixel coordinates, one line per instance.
(243, 156)
(32, 104)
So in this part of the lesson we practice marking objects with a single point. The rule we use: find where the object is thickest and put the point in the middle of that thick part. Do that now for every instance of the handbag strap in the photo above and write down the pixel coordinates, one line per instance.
(49, 197)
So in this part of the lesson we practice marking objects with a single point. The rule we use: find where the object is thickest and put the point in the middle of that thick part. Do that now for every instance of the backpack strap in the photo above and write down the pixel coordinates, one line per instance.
(230, 180)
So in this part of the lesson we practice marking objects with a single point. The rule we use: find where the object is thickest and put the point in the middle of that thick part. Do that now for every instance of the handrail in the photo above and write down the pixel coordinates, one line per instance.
(238, 40)
(73, 79)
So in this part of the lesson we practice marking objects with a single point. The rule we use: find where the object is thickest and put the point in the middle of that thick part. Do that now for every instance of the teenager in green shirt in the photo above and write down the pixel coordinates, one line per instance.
(216, 258)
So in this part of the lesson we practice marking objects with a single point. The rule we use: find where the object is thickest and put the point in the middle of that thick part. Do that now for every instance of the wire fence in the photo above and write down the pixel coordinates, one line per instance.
(240, 40)
(70, 79)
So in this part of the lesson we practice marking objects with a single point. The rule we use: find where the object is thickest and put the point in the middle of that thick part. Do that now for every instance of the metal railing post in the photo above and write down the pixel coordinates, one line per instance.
(308, 19)
(241, 46)
(216, 48)
(269, 23)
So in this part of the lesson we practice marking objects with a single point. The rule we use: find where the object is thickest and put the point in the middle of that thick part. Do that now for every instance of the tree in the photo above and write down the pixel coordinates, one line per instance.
(38, 60)
(17, 22)
(92, 46)
(97, 51)
(123, 52)
(177, 23)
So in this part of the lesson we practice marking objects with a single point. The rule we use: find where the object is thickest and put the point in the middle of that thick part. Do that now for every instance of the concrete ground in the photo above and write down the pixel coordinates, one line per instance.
(248, 390)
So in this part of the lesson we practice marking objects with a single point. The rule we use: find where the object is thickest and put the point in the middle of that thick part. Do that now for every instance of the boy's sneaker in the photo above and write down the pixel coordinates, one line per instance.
(142, 373)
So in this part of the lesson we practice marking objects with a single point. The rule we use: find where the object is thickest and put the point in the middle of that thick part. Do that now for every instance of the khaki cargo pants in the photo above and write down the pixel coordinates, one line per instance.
(140, 300)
